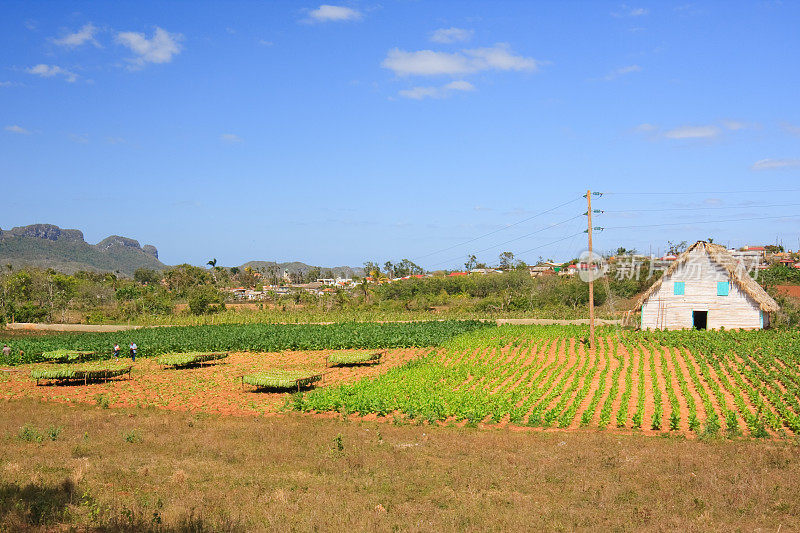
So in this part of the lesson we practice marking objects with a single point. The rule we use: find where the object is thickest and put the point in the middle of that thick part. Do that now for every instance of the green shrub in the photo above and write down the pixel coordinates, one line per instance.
(102, 401)
(133, 437)
(53, 432)
(30, 434)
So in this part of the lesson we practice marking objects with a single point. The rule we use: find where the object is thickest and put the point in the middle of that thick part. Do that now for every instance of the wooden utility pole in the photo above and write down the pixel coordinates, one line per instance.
(591, 273)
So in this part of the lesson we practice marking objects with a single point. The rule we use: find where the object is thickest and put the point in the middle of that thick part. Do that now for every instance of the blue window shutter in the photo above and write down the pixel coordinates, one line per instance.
(679, 288)
(723, 287)
(761, 316)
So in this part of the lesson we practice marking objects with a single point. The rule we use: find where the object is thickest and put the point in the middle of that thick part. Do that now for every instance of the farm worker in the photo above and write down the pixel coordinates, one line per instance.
(6, 351)
(133, 350)
(116, 351)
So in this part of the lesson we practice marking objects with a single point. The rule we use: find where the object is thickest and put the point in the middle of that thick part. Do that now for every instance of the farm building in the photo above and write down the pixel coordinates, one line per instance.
(705, 288)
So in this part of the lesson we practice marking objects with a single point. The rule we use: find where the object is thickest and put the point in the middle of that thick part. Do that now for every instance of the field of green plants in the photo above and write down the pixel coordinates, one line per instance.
(247, 337)
(691, 381)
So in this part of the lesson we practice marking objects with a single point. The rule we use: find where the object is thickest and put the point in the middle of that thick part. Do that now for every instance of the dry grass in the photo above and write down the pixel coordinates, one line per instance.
(129, 469)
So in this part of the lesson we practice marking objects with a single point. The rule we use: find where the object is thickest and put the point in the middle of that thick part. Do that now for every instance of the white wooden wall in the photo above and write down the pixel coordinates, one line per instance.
(665, 310)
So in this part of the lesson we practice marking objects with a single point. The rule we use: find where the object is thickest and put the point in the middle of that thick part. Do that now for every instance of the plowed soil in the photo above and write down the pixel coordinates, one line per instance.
(213, 388)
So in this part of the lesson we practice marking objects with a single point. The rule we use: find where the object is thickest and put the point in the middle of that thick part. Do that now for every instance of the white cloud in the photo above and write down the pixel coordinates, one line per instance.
(420, 93)
(614, 74)
(80, 138)
(734, 125)
(83, 35)
(48, 71)
(328, 13)
(460, 85)
(264, 42)
(646, 128)
(775, 164)
(790, 128)
(230, 138)
(431, 63)
(425, 63)
(451, 35)
(628, 11)
(160, 48)
(17, 129)
(692, 132)
(6, 83)
(116, 140)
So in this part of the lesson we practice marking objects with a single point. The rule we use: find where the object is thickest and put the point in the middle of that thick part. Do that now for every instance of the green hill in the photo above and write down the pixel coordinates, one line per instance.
(64, 250)
(296, 267)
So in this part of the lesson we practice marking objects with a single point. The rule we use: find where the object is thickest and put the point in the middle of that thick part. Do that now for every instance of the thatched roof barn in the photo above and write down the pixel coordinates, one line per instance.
(706, 287)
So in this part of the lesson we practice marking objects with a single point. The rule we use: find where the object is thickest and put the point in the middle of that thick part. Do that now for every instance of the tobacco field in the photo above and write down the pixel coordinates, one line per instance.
(702, 382)
(248, 338)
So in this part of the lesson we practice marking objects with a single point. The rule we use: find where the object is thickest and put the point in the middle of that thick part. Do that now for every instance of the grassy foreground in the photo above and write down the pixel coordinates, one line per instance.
(89, 467)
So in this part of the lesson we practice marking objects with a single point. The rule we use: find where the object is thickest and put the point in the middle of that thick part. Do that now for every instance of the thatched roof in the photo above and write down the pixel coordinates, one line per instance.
(735, 269)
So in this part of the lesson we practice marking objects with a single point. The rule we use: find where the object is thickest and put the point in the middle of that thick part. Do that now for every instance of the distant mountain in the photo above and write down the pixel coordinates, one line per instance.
(64, 250)
(302, 268)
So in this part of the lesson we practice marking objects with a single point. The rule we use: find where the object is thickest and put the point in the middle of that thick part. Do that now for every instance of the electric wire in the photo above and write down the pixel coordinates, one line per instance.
(498, 230)
(661, 193)
(696, 208)
(514, 239)
(549, 243)
(699, 222)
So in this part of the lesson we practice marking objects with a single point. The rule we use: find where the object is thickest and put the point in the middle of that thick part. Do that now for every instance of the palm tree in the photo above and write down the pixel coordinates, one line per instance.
(213, 265)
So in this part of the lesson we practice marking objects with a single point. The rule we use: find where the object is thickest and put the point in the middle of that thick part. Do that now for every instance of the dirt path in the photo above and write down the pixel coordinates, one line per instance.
(616, 403)
(558, 374)
(549, 365)
(533, 364)
(649, 399)
(684, 372)
(599, 358)
(689, 359)
(606, 353)
(578, 360)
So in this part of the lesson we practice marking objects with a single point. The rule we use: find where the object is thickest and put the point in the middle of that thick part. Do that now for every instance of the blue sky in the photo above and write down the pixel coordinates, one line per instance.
(339, 133)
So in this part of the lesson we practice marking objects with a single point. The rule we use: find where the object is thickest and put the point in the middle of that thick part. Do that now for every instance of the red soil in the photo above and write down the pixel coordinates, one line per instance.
(211, 388)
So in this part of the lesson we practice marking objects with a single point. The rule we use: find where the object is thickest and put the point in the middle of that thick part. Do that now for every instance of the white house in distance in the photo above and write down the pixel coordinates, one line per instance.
(705, 288)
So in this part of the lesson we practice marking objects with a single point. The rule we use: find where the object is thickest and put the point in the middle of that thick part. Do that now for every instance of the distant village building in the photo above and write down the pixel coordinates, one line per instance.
(750, 258)
(483, 271)
(545, 269)
(706, 287)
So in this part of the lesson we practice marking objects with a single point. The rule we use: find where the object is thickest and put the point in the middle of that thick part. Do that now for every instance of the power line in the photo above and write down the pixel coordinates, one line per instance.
(498, 230)
(699, 222)
(514, 239)
(697, 208)
(553, 242)
(661, 193)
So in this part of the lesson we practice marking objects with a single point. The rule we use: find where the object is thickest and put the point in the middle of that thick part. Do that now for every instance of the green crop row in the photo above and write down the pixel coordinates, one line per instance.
(249, 337)
(544, 376)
